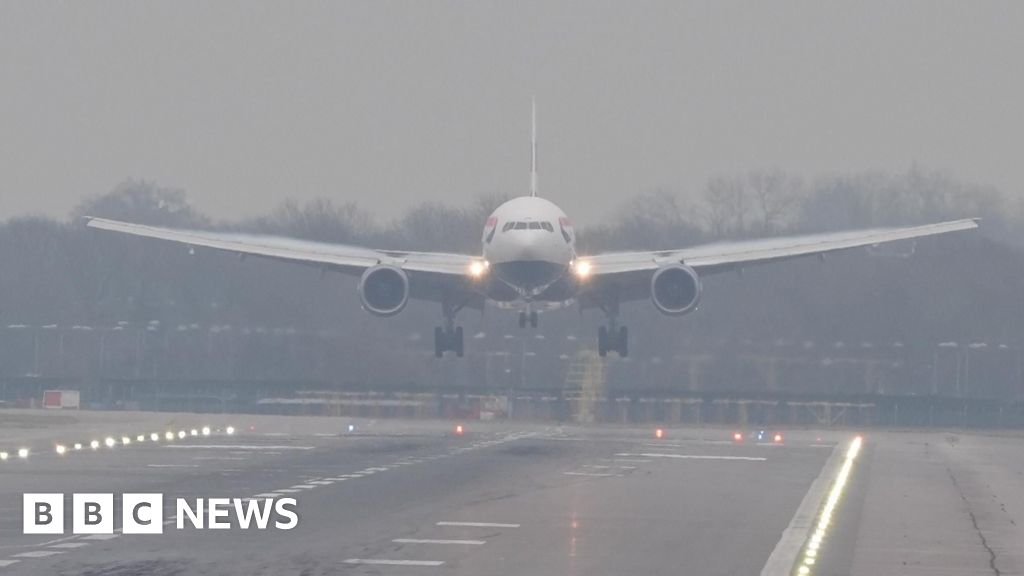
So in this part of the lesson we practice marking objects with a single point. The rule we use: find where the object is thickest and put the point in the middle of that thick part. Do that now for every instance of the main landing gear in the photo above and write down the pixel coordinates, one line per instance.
(448, 338)
(612, 338)
(531, 317)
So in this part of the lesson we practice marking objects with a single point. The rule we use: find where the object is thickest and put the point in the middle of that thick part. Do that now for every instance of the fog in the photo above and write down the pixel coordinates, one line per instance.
(390, 103)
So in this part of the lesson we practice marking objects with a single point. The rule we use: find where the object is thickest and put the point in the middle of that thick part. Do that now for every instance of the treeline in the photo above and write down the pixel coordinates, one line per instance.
(963, 288)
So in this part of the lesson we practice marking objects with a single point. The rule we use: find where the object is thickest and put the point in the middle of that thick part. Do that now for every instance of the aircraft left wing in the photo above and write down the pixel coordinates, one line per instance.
(628, 272)
(431, 273)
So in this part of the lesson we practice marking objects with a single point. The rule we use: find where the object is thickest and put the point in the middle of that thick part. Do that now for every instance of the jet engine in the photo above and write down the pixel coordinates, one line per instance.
(675, 289)
(384, 290)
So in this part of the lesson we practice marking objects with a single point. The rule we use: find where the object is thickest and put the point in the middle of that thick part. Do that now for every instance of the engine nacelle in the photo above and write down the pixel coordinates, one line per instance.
(675, 289)
(384, 290)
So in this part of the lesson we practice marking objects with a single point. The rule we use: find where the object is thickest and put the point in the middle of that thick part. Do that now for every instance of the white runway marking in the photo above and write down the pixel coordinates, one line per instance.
(698, 457)
(287, 490)
(335, 479)
(382, 562)
(6, 563)
(267, 495)
(636, 460)
(597, 474)
(70, 545)
(172, 465)
(478, 524)
(784, 555)
(823, 445)
(322, 482)
(235, 447)
(100, 536)
(218, 458)
(430, 541)
(303, 486)
(37, 554)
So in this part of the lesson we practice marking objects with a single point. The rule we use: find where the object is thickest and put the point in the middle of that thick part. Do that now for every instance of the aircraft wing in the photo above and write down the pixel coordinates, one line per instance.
(629, 271)
(430, 272)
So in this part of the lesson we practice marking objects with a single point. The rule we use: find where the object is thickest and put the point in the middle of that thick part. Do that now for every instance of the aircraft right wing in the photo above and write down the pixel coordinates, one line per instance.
(431, 273)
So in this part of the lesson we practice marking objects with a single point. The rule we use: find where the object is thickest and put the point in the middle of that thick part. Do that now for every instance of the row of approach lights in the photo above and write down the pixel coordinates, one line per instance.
(110, 441)
(776, 438)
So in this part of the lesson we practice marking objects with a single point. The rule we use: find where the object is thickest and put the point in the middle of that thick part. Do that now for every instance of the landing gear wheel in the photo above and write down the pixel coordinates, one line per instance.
(522, 319)
(602, 341)
(622, 346)
(448, 340)
(533, 318)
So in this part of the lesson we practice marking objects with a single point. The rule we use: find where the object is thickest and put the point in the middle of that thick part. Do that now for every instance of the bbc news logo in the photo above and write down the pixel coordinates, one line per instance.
(144, 514)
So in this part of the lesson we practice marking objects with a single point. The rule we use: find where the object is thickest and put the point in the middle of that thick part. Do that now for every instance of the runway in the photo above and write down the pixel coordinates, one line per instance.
(415, 498)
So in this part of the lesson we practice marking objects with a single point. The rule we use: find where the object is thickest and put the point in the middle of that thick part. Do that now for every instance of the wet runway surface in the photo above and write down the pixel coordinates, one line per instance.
(496, 500)
(415, 498)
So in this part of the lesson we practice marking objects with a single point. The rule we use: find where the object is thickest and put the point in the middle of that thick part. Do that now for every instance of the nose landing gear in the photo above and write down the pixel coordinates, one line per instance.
(531, 317)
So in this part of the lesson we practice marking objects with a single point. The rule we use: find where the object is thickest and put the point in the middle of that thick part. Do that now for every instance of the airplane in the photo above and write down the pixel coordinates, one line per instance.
(529, 261)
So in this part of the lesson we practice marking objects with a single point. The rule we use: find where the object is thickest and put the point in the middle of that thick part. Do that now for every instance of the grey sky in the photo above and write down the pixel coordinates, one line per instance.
(243, 104)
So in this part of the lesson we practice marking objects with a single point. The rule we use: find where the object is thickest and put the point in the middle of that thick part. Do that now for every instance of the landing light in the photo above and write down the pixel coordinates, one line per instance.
(581, 268)
(3, 456)
(478, 268)
(738, 437)
(659, 433)
(94, 444)
(230, 430)
(777, 438)
(206, 430)
(458, 430)
(109, 442)
(154, 436)
(61, 449)
(22, 453)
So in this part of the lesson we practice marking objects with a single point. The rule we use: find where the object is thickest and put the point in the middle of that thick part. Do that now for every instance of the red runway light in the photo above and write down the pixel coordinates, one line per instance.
(778, 438)
(737, 437)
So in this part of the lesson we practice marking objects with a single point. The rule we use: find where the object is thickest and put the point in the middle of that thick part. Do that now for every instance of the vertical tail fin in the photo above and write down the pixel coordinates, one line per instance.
(533, 147)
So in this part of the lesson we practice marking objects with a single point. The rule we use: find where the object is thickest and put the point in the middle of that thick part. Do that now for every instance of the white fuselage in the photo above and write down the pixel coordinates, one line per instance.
(529, 245)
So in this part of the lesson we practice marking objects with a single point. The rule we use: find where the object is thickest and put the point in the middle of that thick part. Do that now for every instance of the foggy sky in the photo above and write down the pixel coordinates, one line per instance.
(244, 104)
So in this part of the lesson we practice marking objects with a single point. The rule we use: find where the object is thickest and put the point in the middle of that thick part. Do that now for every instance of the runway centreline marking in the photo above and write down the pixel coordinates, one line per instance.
(172, 465)
(70, 545)
(6, 563)
(434, 541)
(37, 554)
(595, 474)
(478, 524)
(698, 457)
(101, 536)
(236, 447)
(384, 562)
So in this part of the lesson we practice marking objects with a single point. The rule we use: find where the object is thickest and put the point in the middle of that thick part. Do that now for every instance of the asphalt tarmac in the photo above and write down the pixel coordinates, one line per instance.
(392, 497)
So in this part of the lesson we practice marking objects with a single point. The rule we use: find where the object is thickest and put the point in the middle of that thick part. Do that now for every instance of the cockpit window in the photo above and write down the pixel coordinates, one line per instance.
(508, 226)
(534, 225)
(521, 226)
(547, 226)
